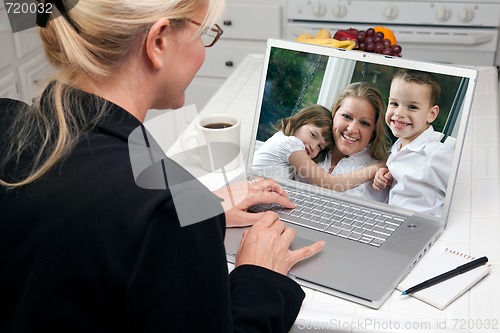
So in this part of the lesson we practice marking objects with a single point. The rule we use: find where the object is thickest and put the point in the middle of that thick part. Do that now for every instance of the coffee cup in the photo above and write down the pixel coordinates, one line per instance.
(217, 142)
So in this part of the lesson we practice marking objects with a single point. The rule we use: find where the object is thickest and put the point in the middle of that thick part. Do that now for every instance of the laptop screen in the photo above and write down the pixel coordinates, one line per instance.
(298, 79)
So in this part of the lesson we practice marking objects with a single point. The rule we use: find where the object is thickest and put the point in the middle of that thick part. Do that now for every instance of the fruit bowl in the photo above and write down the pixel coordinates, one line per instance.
(378, 39)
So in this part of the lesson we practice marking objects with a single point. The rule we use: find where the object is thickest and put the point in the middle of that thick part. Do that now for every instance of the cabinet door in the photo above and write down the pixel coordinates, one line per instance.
(222, 59)
(8, 85)
(27, 41)
(7, 56)
(33, 75)
(251, 22)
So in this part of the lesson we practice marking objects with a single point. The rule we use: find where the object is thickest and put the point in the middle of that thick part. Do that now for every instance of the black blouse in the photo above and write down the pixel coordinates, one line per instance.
(85, 249)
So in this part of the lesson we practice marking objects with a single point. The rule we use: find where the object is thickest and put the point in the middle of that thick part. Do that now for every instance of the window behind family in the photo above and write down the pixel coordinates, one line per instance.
(358, 121)
(298, 79)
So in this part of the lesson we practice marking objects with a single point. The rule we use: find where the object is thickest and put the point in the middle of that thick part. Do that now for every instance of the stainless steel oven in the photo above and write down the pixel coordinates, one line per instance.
(449, 31)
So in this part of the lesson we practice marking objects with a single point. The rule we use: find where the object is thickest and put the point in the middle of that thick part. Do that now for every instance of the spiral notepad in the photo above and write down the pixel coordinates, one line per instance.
(436, 263)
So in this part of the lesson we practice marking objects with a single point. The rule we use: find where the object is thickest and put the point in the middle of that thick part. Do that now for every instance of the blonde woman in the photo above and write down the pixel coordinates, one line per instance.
(82, 247)
(360, 136)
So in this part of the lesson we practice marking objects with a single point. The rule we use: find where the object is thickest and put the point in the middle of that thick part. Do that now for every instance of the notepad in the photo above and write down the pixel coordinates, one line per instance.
(436, 263)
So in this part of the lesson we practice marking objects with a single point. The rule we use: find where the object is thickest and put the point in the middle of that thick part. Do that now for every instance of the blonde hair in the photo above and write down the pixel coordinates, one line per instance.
(93, 40)
(316, 115)
(379, 142)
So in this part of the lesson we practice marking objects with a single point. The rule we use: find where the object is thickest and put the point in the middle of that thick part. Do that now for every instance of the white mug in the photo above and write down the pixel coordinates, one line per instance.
(217, 138)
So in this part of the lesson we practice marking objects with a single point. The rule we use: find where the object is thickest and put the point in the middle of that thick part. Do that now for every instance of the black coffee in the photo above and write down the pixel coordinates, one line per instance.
(218, 125)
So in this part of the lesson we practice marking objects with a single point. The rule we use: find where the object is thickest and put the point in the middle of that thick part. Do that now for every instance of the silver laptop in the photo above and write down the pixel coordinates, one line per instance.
(380, 243)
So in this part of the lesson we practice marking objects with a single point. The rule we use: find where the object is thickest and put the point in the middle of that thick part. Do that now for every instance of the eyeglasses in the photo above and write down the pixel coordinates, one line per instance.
(211, 35)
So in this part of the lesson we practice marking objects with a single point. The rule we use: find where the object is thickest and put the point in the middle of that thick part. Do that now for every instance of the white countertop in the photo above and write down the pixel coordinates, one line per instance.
(473, 228)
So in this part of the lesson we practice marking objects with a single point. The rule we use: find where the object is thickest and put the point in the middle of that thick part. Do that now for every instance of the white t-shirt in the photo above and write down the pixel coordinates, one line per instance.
(420, 171)
(354, 162)
(272, 157)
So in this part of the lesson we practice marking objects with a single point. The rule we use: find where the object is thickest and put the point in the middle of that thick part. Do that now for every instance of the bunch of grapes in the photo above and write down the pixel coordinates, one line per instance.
(371, 41)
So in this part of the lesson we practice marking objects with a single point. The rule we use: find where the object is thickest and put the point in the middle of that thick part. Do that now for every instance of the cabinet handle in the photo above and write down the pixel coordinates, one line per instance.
(229, 63)
(227, 22)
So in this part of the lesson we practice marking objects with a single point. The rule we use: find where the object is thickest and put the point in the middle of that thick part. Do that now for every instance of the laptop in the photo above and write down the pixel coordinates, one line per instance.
(365, 270)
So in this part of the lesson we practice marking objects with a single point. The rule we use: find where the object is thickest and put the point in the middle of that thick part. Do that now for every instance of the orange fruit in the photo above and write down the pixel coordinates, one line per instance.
(388, 33)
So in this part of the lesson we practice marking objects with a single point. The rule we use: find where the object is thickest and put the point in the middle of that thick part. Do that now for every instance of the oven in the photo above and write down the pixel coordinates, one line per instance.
(449, 31)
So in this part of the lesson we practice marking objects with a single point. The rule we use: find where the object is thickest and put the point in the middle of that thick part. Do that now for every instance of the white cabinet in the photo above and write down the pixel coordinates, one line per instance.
(22, 62)
(247, 25)
(8, 85)
(33, 73)
(7, 56)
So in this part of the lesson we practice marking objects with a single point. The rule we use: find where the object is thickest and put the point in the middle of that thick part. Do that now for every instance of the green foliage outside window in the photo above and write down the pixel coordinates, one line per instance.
(294, 81)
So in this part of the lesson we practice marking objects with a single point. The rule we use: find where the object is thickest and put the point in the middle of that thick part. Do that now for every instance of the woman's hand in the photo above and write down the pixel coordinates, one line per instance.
(267, 244)
(382, 179)
(242, 195)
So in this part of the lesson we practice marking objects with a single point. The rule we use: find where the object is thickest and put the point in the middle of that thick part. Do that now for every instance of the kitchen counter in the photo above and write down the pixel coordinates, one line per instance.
(473, 228)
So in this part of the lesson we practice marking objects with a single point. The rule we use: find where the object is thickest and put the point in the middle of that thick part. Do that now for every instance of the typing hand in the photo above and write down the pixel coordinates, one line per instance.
(267, 244)
(241, 196)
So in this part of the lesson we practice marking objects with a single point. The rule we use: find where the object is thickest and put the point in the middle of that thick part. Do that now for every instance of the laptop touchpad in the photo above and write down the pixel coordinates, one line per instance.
(300, 242)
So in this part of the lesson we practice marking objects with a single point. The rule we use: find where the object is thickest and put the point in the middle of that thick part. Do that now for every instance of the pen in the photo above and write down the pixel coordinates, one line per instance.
(445, 276)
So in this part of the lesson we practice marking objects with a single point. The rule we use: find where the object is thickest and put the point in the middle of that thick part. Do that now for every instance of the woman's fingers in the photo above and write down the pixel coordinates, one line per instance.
(288, 235)
(268, 191)
(273, 197)
(302, 253)
(306, 252)
(268, 219)
(278, 226)
(267, 244)
(270, 185)
(248, 194)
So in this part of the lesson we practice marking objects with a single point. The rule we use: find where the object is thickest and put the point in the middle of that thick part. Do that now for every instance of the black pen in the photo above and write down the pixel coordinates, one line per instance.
(445, 276)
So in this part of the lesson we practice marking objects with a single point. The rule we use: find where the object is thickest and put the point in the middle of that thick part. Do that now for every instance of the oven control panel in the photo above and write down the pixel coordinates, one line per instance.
(441, 13)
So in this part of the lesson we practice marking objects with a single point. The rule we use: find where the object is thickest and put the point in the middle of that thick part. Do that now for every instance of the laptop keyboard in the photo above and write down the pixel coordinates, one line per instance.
(337, 218)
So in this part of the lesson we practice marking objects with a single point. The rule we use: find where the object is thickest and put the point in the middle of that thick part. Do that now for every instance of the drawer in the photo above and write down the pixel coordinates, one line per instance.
(251, 22)
(33, 75)
(8, 85)
(223, 58)
(26, 42)
(7, 56)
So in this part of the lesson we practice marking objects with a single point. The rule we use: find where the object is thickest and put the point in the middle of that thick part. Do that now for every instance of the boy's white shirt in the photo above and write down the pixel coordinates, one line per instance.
(420, 171)
(272, 156)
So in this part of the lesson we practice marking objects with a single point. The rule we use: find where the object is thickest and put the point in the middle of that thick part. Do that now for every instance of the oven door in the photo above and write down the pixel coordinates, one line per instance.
(469, 46)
